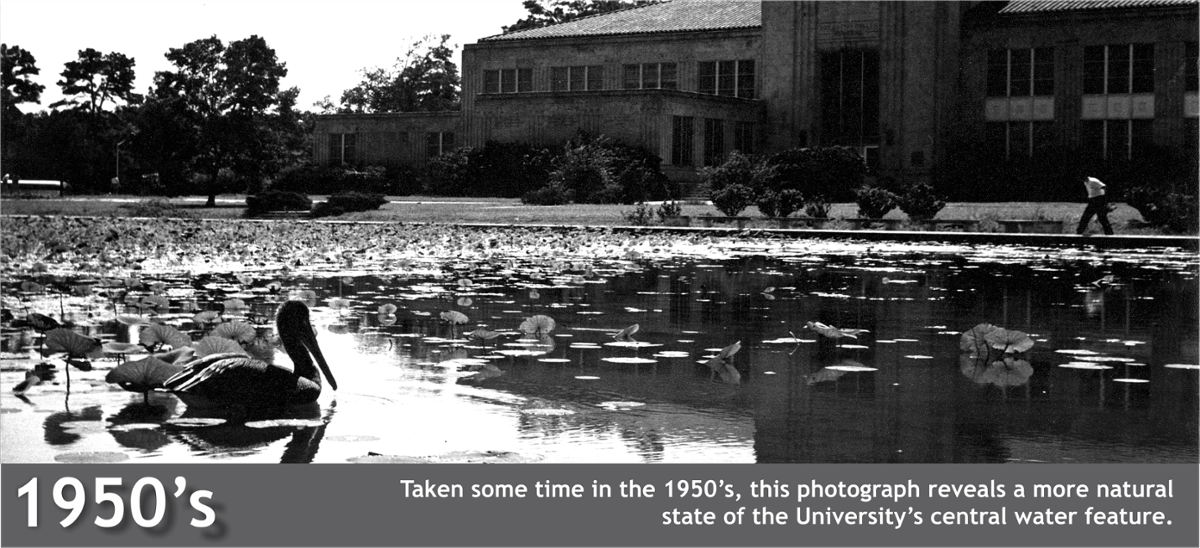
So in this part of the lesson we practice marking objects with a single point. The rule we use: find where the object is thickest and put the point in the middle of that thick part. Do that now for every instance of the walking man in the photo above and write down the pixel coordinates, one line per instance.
(1097, 205)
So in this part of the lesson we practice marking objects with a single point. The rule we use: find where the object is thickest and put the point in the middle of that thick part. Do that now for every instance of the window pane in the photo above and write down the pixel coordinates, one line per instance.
(725, 77)
(706, 77)
(714, 141)
(1043, 71)
(997, 73)
(524, 80)
(831, 95)
(335, 149)
(432, 144)
(491, 81)
(578, 78)
(595, 77)
(1043, 139)
(448, 141)
(1093, 69)
(1143, 68)
(1118, 69)
(349, 152)
(743, 137)
(670, 80)
(870, 96)
(558, 79)
(682, 140)
(650, 76)
(1091, 138)
(508, 81)
(1191, 75)
(1117, 140)
(851, 97)
(1020, 73)
(745, 79)
(632, 77)
(1141, 137)
(1018, 139)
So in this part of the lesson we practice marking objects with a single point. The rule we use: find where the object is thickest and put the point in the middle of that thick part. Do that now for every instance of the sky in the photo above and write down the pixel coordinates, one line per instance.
(324, 43)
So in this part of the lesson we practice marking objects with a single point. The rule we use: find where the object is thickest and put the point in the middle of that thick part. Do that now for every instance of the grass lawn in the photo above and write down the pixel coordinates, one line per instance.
(506, 211)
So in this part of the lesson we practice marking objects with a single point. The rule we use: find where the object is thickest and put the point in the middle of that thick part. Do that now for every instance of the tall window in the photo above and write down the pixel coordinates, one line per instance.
(682, 140)
(438, 143)
(650, 76)
(1022, 139)
(850, 97)
(1125, 68)
(342, 148)
(508, 81)
(1192, 78)
(588, 78)
(743, 137)
(732, 78)
(1117, 139)
(1020, 72)
(714, 141)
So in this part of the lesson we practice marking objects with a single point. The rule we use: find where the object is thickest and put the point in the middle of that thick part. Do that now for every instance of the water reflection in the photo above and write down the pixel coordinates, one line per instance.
(426, 384)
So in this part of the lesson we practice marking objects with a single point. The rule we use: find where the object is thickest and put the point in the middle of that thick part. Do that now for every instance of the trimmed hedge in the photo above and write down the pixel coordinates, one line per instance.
(348, 202)
(276, 200)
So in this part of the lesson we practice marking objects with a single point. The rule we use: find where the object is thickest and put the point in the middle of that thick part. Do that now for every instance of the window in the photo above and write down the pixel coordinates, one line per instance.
(1117, 139)
(508, 81)
(438, 143)
(849, 84)
(1013, 140)
(682, 139)
(590, 78)
(731, 78)
(714, 141)
(650, 76)
(1020, 72)
(342, 148)
(1126, 68)
(743, 137)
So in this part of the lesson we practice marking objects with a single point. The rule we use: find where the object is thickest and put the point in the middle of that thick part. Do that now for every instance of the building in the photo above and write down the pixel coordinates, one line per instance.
(906, 83)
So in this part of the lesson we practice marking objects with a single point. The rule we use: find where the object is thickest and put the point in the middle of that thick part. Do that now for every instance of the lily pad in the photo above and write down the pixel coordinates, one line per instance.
(1009, 340)
(217, 345)
(142, 375)
(973, 339)
(237, 331)
(163, 335)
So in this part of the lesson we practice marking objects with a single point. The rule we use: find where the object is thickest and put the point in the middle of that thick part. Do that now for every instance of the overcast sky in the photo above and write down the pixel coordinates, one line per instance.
(324, 43)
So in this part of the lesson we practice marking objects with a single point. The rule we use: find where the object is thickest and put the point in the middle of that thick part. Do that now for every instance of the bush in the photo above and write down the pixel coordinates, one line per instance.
(598, 170)
(779, 202)
(276, 200)
(641, 215)
(155, 207)
(919, 202)
(449, 173)
(315, 179)
(820, 175)
(551, 194)
(348, 202)
(1170, 211)
(874, 202)
(734, 184)
(669, 210)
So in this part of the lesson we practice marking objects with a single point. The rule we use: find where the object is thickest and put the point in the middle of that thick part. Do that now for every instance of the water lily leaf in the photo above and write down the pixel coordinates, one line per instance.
(113, 347)
(157, 302)
(825, 375)
(627, 333)
(158, 334)
(338, 303)
(217, 345)
(32, 287)
(129, 319)
(206, 317)
(1002, 373)
(178, 356)
(142, 375)
(537, 324)
(464, 301)
(238, 331)
(41, 322)
(74, 344)
(387, 309)
(1009, 340)
(387, 319)
(454, 317)
(233, 305)
(485, 334)
(833, 332)
(730, 350)
(973, 340)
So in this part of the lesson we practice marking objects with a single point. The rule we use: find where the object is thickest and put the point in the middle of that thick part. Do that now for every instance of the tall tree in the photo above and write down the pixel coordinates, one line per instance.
(18, 66)
(550, 12)
(424, 80)
(225, 98)
(95, 79)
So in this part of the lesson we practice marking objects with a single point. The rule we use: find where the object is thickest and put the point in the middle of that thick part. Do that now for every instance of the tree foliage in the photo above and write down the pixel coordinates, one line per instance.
(95, 79)
(18, 66)
(543, 13)
(425, 79)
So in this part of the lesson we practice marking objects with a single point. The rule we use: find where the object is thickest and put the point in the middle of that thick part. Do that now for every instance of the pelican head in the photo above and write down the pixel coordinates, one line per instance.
(299, 340)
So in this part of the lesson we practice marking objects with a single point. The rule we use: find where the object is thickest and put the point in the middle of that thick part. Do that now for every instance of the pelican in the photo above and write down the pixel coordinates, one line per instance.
(240, 379)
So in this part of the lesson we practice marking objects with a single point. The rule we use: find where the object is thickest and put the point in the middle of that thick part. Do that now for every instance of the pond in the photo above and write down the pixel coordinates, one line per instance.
(1111, 375)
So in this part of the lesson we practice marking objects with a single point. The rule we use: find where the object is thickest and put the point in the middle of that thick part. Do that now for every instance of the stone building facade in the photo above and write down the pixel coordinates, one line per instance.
(900, 81)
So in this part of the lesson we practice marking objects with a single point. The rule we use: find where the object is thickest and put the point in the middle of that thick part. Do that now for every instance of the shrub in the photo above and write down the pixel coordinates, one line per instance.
(598, 170)
(1170, 211)
(551, 194)
(155, 207)
(507, 169)
(779, 202)
(669, 210)
(820, 175)
(641, 215)
(735, 183)
(348, 202)
(919, 202)
(315, 179)
(277, 200)
(449, 174)
(874, 202)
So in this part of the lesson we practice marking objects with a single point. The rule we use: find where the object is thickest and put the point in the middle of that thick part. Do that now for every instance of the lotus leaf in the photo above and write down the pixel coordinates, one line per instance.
(157, 302)
(113, 347)
(142, 375)
(338, 303)
(833, 332)
(627, 333)
(973, 340)
(455, 317)
(386, 309)
(1002, 373)
(129, 319)
(237, 331)
(32, 287)
(206, 317)
(464, 301)
(1008, 340)
(233, 305)
(387, 319)
(217, 345)
(157, 335)
(484, 334)
(73, 344)
(41, 322)
(537, 324)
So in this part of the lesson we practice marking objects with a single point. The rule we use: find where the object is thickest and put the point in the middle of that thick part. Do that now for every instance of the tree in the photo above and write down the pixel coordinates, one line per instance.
(94, 79)
(424, 80)
(18, 67)
(543, 13)
(225, 99)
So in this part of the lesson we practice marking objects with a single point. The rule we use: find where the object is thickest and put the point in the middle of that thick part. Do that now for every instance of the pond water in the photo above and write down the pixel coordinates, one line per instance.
(1111, 376)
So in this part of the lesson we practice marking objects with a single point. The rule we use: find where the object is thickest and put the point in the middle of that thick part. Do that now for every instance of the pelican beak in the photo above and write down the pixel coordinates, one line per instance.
(310, 342)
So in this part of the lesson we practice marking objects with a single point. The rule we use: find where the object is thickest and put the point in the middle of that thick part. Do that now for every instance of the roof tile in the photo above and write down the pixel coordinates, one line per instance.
(670, 16)
(1041, 6)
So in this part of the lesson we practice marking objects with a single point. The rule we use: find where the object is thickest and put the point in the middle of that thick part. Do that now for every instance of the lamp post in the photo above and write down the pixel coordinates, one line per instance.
(116, 181)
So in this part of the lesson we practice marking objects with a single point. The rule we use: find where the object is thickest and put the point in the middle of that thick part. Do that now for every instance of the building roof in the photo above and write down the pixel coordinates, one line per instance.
(1042, 6)
(670, 16)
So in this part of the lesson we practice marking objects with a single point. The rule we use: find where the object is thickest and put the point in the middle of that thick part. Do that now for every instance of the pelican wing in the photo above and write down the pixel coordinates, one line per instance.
(210, 367)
